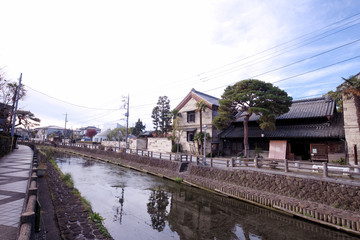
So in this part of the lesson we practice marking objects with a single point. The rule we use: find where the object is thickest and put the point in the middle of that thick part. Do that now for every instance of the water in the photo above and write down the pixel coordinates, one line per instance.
(139, 206)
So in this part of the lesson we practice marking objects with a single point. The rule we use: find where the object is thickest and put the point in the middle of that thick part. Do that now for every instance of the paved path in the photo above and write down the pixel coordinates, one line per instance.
(15, 169)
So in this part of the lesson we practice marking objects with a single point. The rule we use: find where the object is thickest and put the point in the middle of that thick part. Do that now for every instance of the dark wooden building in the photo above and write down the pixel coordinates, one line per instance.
(312, 129)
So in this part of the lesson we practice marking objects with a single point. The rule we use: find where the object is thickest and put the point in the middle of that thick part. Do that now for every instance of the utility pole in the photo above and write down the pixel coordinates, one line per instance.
(15, 112)
(65, 126)
(127, 122)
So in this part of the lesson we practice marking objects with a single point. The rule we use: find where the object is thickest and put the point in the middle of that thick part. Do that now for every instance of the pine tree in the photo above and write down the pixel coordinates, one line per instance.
(139, 128)
(249, 97)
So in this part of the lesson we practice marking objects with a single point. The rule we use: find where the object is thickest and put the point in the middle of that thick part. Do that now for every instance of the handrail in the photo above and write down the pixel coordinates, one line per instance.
(326, 169)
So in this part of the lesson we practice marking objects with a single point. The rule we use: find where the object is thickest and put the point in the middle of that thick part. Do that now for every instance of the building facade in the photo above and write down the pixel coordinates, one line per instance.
(189, 122)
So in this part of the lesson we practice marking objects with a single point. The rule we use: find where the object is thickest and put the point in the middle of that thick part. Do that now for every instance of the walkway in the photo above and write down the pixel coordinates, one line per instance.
(14, 176)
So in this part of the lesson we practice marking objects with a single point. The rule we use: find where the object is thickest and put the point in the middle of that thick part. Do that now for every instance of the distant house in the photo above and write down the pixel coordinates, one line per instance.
(312, 129)
(190, 121)
(83, 131)
(49, 133)
(101, 136)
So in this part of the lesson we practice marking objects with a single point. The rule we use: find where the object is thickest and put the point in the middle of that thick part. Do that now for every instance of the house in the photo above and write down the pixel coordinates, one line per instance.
(23, 133)
(83, 131)
(189, 121)
(50, 133)
(312, 129)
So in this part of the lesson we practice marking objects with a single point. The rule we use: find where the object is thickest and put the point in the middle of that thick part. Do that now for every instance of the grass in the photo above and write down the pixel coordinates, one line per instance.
(179, 180)
(67, 178)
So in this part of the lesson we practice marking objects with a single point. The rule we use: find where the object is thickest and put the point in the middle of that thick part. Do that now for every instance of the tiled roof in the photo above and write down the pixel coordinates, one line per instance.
(312, 130)
(308, 108)
(210, 99)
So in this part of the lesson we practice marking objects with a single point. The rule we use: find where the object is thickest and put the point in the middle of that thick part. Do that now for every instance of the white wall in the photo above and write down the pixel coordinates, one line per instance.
(159, 145)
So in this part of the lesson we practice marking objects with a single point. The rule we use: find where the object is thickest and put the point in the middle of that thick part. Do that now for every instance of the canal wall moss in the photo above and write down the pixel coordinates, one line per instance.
(73, 216)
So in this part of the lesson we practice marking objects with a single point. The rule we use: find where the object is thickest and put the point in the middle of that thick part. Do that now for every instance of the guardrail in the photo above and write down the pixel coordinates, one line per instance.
(325, 169)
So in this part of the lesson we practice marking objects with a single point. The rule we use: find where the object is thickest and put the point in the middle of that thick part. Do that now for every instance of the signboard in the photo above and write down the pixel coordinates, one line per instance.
(277, 149)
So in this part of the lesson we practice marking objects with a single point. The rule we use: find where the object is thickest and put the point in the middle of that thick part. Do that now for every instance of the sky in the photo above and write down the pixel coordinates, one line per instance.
(82, 59)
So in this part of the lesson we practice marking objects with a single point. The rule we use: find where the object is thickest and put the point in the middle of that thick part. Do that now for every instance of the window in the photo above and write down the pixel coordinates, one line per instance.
(191, 116)
(190, 136)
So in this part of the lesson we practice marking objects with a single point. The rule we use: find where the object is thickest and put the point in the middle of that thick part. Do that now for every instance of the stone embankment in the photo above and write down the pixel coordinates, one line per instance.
(72, 215)
(331, 202)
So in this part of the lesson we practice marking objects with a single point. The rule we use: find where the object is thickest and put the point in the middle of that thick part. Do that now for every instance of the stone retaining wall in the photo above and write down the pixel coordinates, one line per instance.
(315, 189)
(72, 216)
(332, 202)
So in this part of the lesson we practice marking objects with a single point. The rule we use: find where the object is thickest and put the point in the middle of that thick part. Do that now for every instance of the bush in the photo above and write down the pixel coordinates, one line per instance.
(174, 148)
(5, 142)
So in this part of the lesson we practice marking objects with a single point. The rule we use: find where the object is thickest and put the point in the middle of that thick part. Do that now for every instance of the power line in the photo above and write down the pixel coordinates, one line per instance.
(270, 56)
(76, 105)
(317, 69)
(284, 43)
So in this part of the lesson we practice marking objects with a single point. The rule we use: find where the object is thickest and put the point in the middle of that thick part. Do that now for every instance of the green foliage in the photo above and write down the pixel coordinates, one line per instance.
(200, 107)
(342, 161)
(139, 128)
(199, 137)
(337, 96)
(249, 97)
(26, 119)
(351, 86)
(68, 180)
(161, 115)
(5, 143)
(95, 217)
(174, 148)
(116, 134)
(179, 180)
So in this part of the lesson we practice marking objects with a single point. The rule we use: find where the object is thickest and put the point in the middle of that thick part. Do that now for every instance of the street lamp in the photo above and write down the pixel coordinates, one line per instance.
(204, 162)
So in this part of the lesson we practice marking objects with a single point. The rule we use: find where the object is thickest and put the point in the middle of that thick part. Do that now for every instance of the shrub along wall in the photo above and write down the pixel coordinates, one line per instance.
(5, 142)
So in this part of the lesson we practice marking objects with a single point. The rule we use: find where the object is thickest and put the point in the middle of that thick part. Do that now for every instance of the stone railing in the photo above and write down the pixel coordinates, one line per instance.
(30, 217)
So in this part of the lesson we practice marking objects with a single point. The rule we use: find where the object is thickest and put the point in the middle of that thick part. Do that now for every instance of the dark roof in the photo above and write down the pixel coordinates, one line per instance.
(209, 100)
(307, 108)
(206, 97)
(312, 130)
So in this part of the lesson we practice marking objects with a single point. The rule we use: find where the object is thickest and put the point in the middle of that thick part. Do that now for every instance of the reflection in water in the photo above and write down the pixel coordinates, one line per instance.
(119, 209)
(158, 201)
(160, 209)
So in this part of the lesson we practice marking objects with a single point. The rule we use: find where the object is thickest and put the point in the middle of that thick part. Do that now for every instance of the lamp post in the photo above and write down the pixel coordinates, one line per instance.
(204, 162)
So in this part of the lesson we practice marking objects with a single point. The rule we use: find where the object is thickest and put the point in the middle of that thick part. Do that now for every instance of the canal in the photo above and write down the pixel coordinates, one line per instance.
(139, 206)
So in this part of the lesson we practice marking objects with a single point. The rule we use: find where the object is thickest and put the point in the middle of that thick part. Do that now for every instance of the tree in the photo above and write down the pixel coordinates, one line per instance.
(91, 132)
(116, 134)
(177, 130)
(8, 91)
(350, 87)
(162, 116)
(156, 119)
(248, 97)
(200, 107)
(139, 128)
(26, 119)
